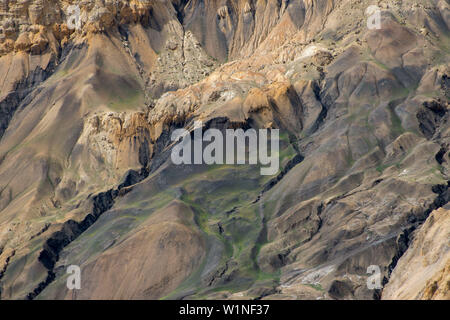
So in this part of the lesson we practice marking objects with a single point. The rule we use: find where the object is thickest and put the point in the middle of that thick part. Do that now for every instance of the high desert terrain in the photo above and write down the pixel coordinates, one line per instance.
(91, 92)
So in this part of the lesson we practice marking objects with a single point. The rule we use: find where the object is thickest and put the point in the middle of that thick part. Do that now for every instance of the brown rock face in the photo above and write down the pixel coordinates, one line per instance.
(423, 272)
(167, 246)
(87, 179)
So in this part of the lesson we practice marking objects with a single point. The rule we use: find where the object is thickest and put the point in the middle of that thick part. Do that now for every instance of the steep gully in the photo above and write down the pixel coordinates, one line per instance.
(104, 201)
(71, 229)
(26, 89)
(430, 117)
(101, 203)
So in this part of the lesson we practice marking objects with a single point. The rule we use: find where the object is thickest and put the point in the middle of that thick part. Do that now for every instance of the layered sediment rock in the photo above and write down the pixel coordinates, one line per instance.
(364, 149)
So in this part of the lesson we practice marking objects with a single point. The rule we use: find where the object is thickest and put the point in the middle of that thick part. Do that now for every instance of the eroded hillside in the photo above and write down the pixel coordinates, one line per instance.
(86, 178)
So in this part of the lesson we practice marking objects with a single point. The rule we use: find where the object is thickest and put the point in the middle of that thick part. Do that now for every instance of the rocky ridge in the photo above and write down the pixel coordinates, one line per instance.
(365, 110)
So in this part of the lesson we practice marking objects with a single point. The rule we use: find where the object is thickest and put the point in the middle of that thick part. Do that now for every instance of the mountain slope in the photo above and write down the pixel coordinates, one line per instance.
(86, 176)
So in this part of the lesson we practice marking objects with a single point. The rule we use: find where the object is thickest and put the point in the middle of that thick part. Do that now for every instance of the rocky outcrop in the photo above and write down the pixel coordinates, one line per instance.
(364, 148)
(423, 271)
